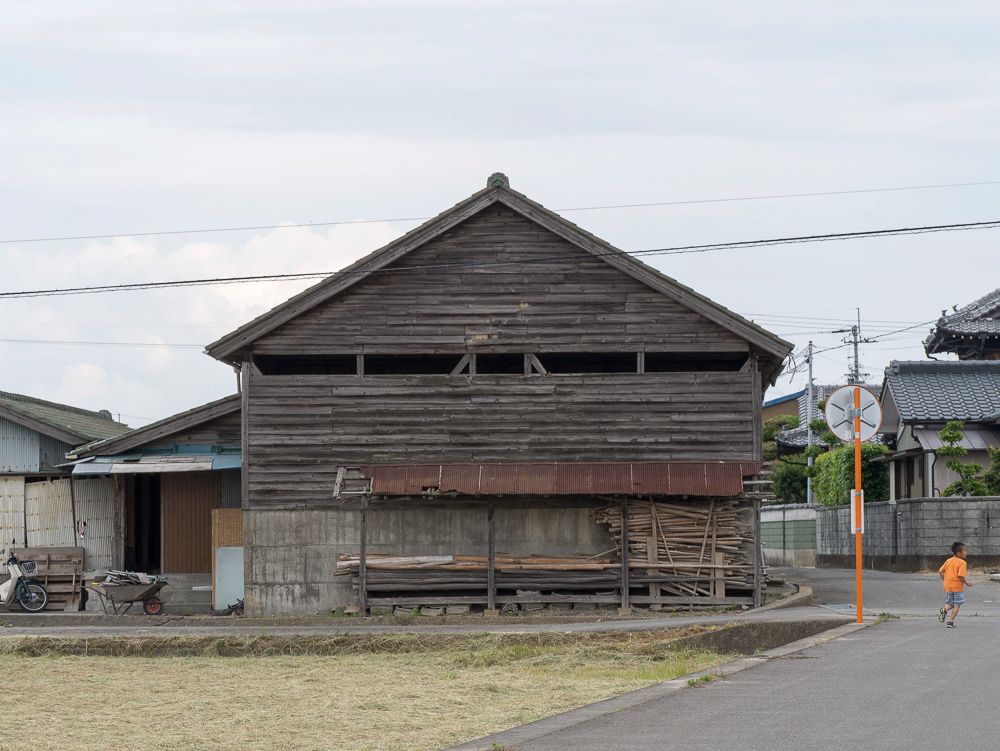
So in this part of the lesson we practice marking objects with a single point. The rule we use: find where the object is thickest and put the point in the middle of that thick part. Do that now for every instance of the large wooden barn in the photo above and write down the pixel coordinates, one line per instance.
(468, 415)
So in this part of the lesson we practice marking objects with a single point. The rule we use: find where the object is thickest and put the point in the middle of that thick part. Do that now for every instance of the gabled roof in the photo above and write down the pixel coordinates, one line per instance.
(938, 391)
(68, 424)
(783, 399)
(978, 319)
(161, 428)
(498, 191)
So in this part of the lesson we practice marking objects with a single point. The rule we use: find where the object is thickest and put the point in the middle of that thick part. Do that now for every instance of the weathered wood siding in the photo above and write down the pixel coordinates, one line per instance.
(222, 431)
(553, 297)
(300, 428)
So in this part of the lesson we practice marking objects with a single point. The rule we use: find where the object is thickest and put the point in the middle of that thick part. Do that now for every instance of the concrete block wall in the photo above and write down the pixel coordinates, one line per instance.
(291, 556)
(912, 535)
(788, 534)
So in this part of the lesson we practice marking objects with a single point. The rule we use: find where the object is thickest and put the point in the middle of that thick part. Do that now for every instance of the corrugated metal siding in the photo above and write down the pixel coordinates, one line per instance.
(95, 505)
(48, 512)
(11, 514)
(662, 478)
(19, 447)
(51, 453)
(187, 500)
(231, 489)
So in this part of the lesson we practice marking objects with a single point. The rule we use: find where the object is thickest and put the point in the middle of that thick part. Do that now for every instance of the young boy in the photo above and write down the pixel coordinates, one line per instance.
(953, 575)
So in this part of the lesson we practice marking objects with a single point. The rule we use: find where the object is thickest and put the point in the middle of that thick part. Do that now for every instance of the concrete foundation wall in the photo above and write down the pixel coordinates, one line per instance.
(291, 555)
(912, 535)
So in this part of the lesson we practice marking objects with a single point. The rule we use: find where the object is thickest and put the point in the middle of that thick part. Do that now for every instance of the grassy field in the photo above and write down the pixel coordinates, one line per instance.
(357, 693)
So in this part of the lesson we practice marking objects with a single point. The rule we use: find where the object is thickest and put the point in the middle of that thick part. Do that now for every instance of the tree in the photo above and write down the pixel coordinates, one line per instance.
(790, 479)
(834, 473)
(992, 476)
(967, 482)
(776, 424)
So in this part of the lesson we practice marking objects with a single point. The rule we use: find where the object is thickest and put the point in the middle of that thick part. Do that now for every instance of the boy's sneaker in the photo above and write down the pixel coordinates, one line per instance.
(942, 614)
(951, 624)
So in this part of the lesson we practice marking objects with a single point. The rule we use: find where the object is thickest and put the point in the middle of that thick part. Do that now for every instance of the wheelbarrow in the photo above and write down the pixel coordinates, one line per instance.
(117, 599)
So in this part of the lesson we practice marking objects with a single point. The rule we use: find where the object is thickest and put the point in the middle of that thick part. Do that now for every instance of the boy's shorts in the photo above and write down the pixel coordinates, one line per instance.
(954, 598)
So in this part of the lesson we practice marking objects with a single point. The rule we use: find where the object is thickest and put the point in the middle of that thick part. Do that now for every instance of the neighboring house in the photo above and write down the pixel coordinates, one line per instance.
(972, 332)
(40, 506)
(782, 406)
(918, 399)
(171, 477)
(495, 374)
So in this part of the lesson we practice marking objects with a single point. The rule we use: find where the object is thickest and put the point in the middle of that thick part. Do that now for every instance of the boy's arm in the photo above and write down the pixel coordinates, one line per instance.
(941, 573)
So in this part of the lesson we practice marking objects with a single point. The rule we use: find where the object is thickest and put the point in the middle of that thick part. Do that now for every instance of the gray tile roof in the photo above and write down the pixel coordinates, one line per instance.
(82, 423)
(935, 391)
(979, 318)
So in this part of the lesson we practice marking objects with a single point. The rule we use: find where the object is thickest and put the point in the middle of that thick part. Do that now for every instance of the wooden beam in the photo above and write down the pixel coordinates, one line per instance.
(245, 433)
(361, 365)
(462, 365)
(527, 365)
(640, 362)
(491, 583)
(538, 365)
(363, 560)
(624, 577)
(652, 556)
(758, 574)
(118, 522)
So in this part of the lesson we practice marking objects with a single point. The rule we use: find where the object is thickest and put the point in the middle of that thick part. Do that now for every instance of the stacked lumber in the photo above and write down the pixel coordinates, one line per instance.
(691, 548)
(60, 571)
(468, 573)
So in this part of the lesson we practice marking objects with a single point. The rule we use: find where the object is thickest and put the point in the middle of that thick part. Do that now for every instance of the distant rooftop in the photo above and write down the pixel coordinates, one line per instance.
(962, 331)
(69, 424)
(938, 391)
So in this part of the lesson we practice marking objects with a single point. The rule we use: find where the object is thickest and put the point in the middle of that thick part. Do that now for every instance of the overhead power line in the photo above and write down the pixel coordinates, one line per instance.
(253, 228)
(684, 249)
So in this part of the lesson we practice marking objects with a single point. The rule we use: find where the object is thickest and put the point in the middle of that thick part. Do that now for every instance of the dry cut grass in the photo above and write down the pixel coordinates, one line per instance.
(361, 693)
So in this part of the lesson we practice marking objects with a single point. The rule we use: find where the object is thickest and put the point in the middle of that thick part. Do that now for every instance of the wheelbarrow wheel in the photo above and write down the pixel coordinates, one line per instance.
(152, 606)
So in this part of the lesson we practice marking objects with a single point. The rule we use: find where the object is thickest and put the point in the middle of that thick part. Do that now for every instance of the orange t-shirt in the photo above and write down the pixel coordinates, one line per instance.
(953, 568)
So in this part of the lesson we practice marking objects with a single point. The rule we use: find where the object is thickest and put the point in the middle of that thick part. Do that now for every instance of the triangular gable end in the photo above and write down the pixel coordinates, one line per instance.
(772, 348)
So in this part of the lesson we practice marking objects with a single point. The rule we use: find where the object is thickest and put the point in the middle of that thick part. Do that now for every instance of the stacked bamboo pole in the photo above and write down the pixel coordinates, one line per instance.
(686, 548)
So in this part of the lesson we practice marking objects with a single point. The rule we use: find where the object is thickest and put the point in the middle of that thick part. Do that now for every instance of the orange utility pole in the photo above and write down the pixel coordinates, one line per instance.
(858, 505)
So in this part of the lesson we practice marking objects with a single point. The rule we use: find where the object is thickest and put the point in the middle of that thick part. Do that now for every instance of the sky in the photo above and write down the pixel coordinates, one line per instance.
(122, 118)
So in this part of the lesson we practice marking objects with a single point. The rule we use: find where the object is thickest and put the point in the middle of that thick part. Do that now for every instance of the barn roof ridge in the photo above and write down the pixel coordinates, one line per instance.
(496, 191)
(166, 426)
(63, 422)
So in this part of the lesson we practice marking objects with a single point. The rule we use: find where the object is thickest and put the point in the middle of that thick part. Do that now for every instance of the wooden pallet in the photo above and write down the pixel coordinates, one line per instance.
(60, 571)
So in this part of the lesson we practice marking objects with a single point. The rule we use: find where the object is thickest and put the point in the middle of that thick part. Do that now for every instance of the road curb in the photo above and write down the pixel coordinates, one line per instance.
(803, 597)
(534, 730)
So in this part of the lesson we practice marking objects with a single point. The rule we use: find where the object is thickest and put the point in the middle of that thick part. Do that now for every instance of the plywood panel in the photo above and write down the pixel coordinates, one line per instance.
(11, 515)
(186, 501)
(94, 499)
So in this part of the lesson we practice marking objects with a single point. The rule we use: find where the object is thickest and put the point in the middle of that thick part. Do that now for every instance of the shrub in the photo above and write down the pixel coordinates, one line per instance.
(992, 476)
(834, 472)
(776, 424)
(967, 482)
(790, 481)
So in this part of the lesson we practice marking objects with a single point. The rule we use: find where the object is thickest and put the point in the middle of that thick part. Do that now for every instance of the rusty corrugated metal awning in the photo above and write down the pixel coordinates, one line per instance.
(651, 478)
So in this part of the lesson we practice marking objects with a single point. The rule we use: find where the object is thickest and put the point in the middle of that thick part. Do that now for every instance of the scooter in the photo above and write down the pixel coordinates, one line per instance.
(30, 595)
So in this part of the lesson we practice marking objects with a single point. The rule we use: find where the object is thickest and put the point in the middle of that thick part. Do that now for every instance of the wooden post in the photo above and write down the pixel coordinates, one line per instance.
(625, 604)
(245, 434)
(720, 575)
(491, 584)
(758, 574)
(652, 556)
(118, 524)
(362, 560)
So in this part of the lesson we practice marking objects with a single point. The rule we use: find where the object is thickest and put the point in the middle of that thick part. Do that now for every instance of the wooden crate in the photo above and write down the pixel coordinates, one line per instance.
(60, 571)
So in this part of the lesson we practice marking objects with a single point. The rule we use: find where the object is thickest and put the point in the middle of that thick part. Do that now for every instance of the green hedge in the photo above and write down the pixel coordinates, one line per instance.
(835, 475)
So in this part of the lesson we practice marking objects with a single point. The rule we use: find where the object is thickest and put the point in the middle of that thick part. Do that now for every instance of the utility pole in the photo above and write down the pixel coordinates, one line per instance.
(809, 419)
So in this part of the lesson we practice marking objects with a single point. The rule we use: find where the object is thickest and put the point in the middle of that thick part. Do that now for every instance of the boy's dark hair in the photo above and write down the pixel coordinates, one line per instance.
(956, 547)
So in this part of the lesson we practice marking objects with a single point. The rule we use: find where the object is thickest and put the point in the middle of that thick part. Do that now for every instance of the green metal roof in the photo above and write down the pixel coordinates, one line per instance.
(63, 421)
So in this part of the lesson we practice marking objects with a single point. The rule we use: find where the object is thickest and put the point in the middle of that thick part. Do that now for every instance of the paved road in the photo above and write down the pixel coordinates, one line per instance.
(902, 684)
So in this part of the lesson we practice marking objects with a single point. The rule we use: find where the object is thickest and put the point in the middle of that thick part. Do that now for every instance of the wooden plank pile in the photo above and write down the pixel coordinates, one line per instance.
(467, 577)
(689, 549)
(60, 571)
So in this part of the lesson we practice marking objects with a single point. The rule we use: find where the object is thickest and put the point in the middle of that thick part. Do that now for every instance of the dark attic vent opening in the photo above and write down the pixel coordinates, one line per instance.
(589, 362)
(311, 365)
(410, 364)
(489, 364)
(674, 362)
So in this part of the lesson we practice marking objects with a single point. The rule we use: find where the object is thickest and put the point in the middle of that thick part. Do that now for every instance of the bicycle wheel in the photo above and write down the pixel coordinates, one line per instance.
(36, 599)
